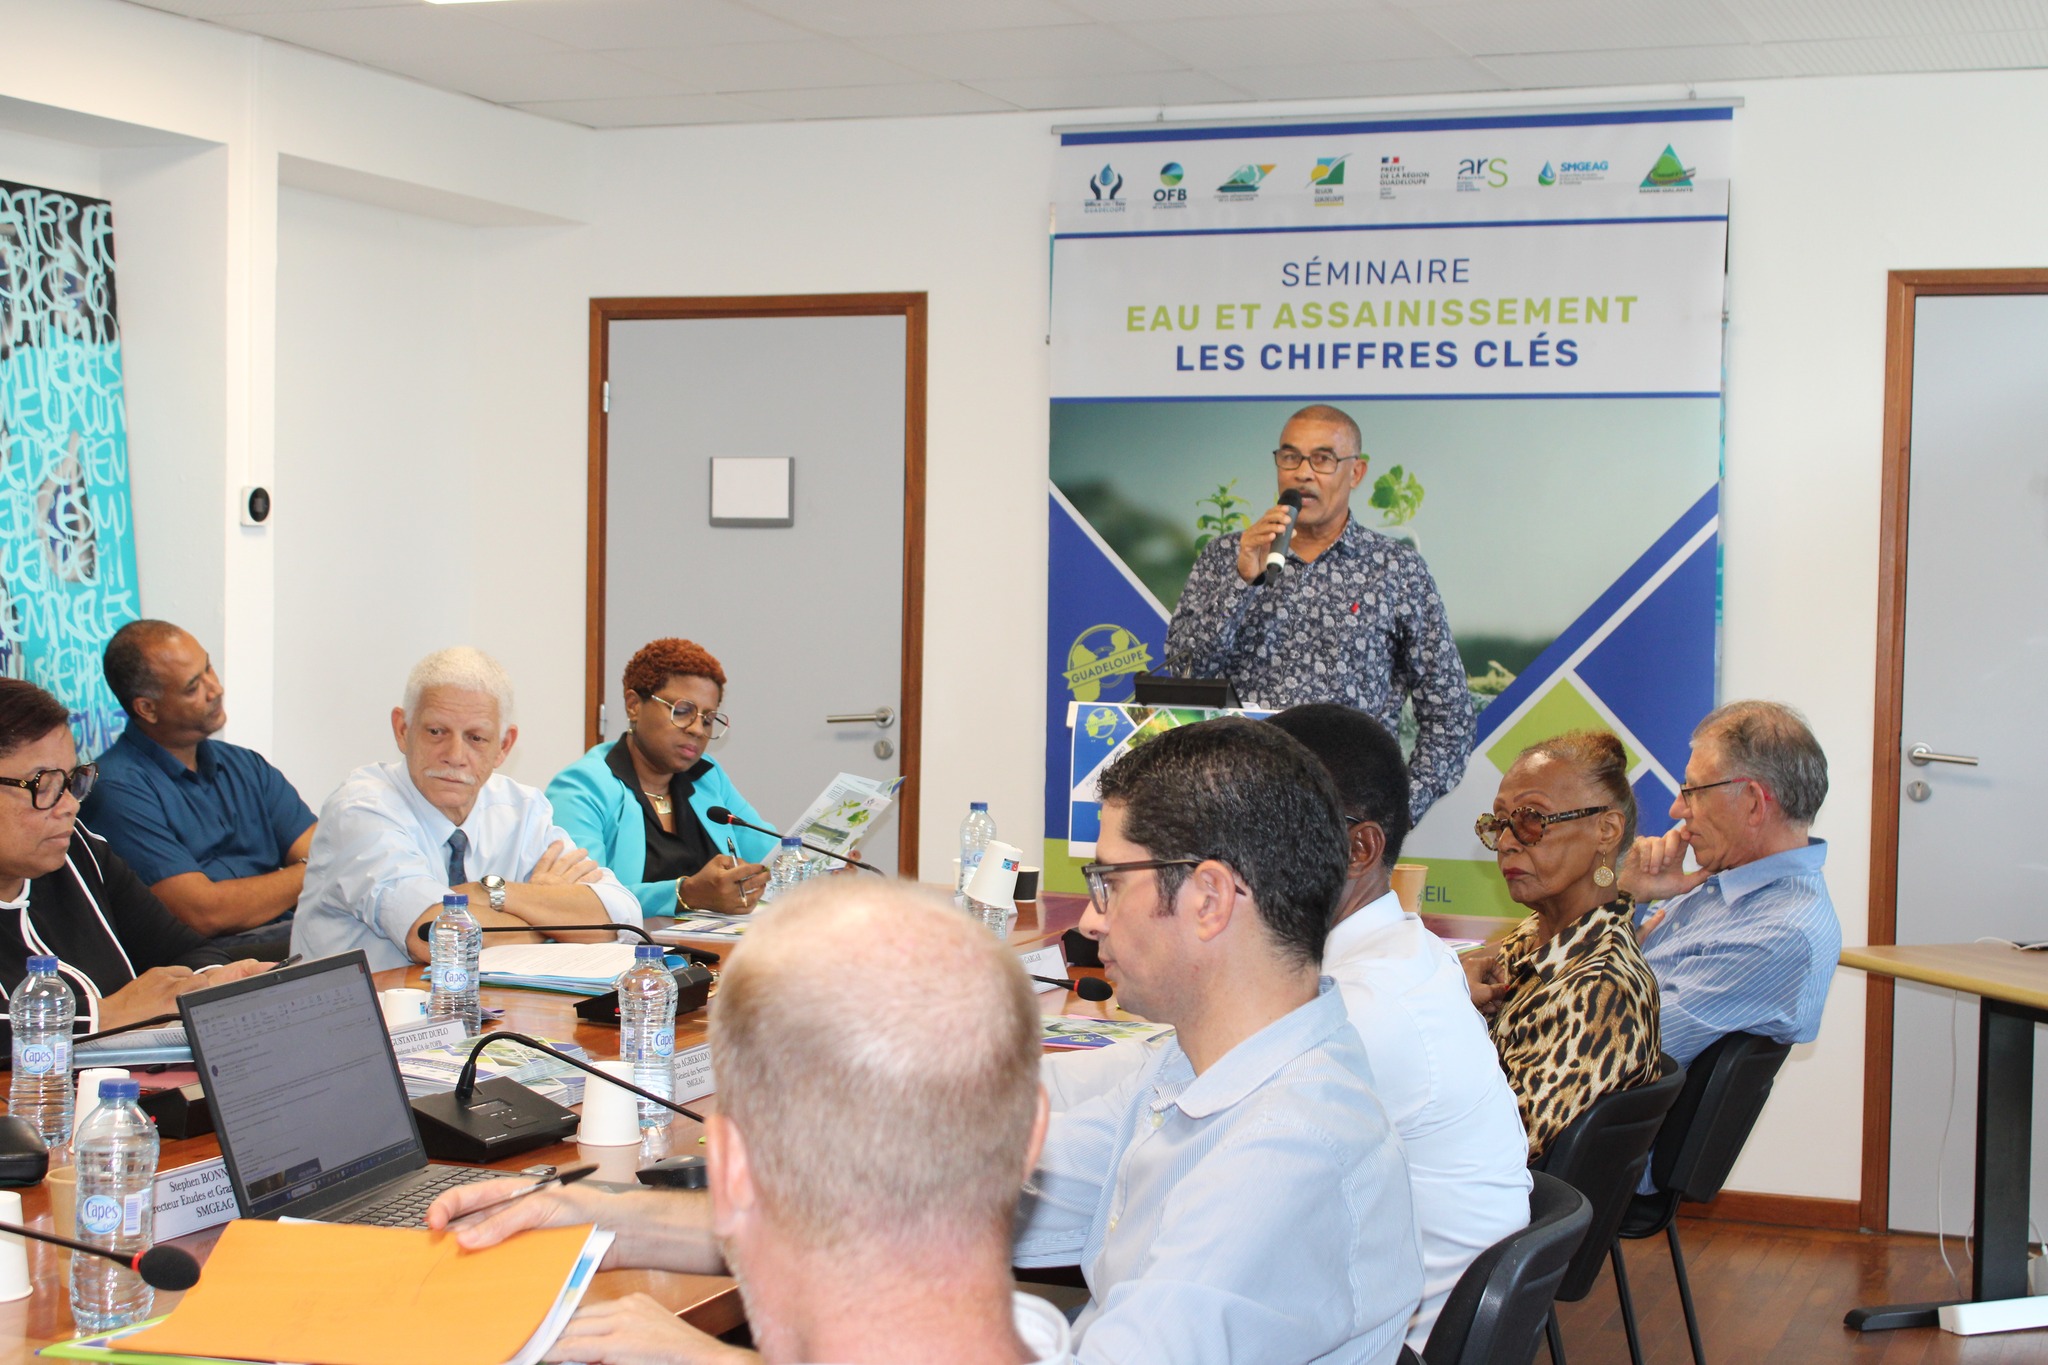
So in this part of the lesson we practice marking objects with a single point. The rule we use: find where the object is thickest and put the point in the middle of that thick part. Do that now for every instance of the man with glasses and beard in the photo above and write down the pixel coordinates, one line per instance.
(64, 893)
(395, 838)
(1354, 618)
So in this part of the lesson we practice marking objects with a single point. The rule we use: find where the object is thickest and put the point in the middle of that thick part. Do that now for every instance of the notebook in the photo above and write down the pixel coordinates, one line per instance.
(307, 1099)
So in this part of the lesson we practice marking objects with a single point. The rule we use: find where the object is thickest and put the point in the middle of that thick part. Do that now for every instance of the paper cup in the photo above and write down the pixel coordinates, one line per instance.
(995, 880)
(14, 1281)
(611, 1116)
(89, 1092)
(1027, 884)
(1409, 879)
(62, 1184)
(402, 1006)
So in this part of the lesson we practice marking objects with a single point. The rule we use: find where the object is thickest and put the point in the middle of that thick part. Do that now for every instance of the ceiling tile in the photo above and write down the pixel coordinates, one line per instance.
(818, 63)
(1364, 35)
(1637, 66)
(386, 37)
(1578, 25)
(215, 9)
(1338, 80)
(647, 111)
(562, 75)
(1931, 52)
(875, 101)
(1017, 53)
(1147, 89)
(598, 25)
(1796, 20)
(882, 18)
(1141, 11)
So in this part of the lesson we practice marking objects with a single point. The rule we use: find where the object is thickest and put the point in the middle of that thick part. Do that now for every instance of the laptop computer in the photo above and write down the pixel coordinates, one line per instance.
(307, 1100)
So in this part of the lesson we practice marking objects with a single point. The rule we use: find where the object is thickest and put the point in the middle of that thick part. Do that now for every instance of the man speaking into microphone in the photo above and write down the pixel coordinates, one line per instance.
(1309, 606)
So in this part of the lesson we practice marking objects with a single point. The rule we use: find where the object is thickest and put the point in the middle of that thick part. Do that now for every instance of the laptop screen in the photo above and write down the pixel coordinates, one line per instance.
(305, 1092)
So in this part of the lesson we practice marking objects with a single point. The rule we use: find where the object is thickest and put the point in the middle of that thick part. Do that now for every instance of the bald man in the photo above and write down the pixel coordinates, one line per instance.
(878, 1111)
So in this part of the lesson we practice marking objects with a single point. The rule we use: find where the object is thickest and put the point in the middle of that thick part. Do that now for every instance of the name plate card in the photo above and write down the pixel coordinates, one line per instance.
(693, 1078)
(193, 1197)
(1051, 960)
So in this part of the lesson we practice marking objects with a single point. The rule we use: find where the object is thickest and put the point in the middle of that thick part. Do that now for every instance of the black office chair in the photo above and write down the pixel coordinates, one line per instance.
(1725, 1089)
(1602, 1156)
(1494, 1314)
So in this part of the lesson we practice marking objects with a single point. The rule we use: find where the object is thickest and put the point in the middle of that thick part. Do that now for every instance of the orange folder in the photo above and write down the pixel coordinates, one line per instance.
(330, 1294)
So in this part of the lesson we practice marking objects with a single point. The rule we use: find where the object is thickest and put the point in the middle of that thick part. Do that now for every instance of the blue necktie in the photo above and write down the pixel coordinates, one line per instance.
(458, 845)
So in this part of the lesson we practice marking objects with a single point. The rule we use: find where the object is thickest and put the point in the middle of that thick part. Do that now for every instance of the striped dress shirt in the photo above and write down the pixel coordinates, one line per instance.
(1750, 950)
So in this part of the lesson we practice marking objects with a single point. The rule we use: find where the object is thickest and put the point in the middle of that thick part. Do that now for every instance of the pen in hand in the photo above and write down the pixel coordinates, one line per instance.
(568, 1177)
(732, 850)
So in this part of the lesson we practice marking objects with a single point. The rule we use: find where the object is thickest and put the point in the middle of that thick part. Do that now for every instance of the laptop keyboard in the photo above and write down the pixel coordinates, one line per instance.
(409, 1210)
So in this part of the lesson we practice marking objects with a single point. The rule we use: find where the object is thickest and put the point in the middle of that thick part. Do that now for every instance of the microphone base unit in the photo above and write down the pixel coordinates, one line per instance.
(180, 1111)
(502, 1118)
(693, 993)
(24, 1159)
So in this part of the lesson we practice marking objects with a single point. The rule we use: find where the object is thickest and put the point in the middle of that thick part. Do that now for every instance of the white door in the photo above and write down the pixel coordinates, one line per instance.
(807, 619)
(1973, 860)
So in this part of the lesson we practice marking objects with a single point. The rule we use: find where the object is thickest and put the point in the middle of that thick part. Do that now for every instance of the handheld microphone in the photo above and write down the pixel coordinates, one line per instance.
(1088, 987)
(719, 815)
(160, 1267)
(1276, 556)
(425, 933)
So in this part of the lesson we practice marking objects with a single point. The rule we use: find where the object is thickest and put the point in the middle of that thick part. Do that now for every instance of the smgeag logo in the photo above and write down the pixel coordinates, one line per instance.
(1546, 176)
(1482, 172)
(1170, 194)
(1669, 173)
(1104, 655)
(1245, 179)
(1105, 183)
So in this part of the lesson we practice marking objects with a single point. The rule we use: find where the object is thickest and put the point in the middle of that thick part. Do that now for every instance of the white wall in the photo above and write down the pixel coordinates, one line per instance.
(376, 352)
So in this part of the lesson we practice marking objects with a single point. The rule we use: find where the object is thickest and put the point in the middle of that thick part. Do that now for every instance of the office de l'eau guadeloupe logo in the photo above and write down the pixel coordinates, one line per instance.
(1103, 655)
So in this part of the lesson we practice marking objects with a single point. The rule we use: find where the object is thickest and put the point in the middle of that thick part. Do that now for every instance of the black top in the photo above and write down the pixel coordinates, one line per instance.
(669, 856)
(88, 912)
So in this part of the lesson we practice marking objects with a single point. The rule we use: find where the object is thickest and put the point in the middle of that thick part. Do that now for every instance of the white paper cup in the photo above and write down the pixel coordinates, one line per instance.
(14, 1281)
(402, 1005)
(995, 880)
(89, 1092)
(611, 1116)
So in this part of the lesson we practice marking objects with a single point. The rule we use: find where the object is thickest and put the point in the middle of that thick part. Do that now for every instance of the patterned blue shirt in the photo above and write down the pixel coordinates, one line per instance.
(1750, 950)
(1257, 1214)
(1362, 624)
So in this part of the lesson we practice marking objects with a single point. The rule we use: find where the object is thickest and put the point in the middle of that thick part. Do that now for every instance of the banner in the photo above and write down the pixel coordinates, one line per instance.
(67, 559)
(1523, 313)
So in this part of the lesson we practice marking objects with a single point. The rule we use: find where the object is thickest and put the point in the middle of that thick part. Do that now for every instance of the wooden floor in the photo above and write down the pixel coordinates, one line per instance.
(1778, 1294)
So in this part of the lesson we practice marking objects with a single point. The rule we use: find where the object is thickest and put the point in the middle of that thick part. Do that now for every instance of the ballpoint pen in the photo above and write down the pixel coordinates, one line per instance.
(732, 850)
(568, 1177)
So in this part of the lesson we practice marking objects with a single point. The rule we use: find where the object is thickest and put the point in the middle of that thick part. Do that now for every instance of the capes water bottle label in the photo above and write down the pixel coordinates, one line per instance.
(451, 976)
(36, 1059)
(99, 1214)
(664, 1042)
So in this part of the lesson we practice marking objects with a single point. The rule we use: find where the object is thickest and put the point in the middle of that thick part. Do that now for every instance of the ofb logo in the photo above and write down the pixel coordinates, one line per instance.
(1105, 183)
(1669, 173)
(1171, 174)
(1170, 195)
(1103, 654)
(1245, 179)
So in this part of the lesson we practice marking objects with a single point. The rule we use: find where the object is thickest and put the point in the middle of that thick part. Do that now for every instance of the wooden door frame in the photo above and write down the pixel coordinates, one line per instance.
(1904, 289)
(913, 309)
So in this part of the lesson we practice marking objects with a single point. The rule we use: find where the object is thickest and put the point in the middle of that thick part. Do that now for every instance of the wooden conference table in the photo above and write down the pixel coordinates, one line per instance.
(2012, 987)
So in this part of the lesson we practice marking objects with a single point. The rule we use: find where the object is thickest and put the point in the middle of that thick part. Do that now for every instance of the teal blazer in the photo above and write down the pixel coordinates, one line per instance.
(597, 811)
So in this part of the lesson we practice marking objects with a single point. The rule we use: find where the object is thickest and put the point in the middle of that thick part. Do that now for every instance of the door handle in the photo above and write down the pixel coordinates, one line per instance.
(885, 718)
(1920, 756)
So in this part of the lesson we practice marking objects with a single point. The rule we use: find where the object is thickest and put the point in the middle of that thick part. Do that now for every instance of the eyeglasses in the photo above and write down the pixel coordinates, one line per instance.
(1686, 794)
(1320, 461)
(684, 714)
(1098, 875)
(1528, 824)
(46, 786)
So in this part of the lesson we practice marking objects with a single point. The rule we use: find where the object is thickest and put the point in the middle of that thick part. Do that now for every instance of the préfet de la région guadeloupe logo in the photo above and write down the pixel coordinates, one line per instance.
(1104, 655)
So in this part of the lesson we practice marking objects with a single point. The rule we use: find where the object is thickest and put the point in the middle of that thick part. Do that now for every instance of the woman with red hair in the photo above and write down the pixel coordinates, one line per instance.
(638, 804)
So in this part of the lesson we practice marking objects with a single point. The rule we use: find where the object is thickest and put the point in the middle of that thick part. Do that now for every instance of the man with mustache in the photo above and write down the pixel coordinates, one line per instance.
(395, 838)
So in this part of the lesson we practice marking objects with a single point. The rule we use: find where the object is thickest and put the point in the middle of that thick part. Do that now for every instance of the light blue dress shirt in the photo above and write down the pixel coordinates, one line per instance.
(380, 859)
(1257, 1214)
(1749, 950)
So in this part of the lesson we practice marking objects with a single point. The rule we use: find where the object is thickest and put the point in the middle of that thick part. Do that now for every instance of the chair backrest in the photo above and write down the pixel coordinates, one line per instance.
(1602, 1156)
(1725, 1090)
(1494, 1314)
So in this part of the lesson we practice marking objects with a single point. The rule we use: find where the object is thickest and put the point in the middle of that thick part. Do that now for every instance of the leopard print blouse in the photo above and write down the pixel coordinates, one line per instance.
(1579, 1020)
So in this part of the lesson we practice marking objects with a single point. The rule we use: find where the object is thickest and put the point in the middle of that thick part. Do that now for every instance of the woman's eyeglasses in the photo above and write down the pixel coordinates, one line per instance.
(1528, 824)
(684, 714)
(46, 786)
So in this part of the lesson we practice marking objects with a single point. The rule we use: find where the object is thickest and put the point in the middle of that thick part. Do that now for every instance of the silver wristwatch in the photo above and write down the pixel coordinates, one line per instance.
(495, 886)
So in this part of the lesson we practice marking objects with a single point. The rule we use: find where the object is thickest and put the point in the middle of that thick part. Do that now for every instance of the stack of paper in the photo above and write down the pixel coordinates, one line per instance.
(333, 1294)
(1078, 1031)
(144, 1047)
(703, 924)
(575, 968)
(436, 1069)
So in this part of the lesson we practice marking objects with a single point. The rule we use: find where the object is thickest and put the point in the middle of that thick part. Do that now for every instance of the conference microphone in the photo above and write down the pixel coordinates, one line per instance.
(425, 933)
(1088, 987)
(160, 1267)
(1276, 556)
(719, 815)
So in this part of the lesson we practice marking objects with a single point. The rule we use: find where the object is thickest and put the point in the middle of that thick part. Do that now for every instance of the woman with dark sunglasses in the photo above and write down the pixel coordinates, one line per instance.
(1574, 1004)
(63, 892)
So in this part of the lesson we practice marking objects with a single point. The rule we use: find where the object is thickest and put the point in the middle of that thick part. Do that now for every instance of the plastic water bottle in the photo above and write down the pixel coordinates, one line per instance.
(647, 1027)
(42, 1010)
(458, 944)
(786, 868)
(975, 832)
(116, 1154)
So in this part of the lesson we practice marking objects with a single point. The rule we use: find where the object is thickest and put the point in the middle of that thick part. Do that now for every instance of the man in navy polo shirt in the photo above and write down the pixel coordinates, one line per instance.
(218, 834)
